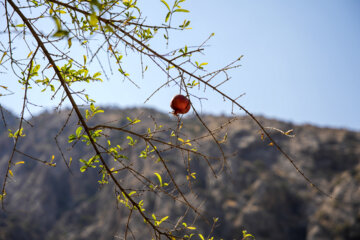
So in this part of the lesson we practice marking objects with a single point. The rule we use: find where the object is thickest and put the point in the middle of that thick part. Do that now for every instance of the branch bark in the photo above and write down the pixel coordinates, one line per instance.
(214, 88)
(80, 117)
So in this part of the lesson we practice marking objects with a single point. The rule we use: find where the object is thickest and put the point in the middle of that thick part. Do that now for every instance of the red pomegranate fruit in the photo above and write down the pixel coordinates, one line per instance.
(180, 104)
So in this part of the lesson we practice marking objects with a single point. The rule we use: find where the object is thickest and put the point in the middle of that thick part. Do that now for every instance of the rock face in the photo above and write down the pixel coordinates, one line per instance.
(259, 190)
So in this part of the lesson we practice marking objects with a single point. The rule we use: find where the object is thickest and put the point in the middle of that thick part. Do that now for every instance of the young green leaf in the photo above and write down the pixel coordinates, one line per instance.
(78, 131)
(167, 5)
(93, 19)
(181, 10)
(57, 22)
(167, 17)
(29, 54)
(160, 179)
(69, 42)
(4, 54)
(61, 33)
(247, 236)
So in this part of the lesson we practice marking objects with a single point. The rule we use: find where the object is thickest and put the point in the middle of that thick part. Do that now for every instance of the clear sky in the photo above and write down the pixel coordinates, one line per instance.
(301, 60)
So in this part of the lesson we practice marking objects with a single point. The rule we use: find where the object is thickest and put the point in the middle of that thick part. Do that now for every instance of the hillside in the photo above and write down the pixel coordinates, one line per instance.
(259, 191)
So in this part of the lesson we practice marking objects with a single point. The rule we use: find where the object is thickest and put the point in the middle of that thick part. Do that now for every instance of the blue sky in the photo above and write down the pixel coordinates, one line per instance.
(301, 60)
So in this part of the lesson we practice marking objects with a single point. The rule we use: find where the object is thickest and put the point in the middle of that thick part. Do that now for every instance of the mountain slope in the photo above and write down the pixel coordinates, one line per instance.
(259, 191)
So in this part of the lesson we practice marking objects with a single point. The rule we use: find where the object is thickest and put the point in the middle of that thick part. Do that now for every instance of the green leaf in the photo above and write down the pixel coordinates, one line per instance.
(17, 133)
(92, 107)
(127, 3)
(72, 137)
(167, 16)
(131, 141)
(160, 179)
(57, 22)
(4, 54)
(96, 75)
(87, 115)
(187, 24)
(165, 3)
(96, 3)
(99, 111)
(61, 33)
(78, 131)
(20, 25)
(69, 42)
(93, 19)
(181, 10)
(31, 52)
(247, 235)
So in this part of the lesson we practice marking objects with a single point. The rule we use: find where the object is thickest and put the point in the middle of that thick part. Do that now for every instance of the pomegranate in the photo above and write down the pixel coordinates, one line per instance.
(180, 104)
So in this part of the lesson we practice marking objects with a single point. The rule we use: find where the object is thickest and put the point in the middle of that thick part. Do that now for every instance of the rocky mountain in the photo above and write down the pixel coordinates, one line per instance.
(259, 190)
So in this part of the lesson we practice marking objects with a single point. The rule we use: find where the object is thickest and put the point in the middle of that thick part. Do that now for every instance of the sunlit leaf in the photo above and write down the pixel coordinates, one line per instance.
(78, 131)
(181, 10)
(160, 179)
(165, 3)
(70, 42)
(61, 33)
(167, 17)
(52, 158)
(57, 22)
(4, 54)
(29, 54)
(93, 19)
